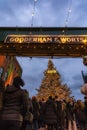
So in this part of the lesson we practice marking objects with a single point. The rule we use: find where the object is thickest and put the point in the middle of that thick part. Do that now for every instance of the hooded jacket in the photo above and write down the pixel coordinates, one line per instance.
(15, 104)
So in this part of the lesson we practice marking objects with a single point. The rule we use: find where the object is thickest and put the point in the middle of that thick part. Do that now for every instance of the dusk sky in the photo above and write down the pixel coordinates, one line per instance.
(47, 13)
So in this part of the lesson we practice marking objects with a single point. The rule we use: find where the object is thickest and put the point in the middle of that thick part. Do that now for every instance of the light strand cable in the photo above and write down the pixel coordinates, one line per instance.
(33, 12)
(68, 14)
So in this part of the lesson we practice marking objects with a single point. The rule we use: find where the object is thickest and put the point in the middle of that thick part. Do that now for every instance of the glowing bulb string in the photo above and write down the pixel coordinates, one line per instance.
(68, 14)
(33, 12)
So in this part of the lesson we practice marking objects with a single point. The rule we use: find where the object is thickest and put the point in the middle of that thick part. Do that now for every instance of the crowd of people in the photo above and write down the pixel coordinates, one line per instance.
(20, 112)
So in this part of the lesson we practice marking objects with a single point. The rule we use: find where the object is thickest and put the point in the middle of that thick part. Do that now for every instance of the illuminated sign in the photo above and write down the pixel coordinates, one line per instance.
(51, 71)
(46, 39)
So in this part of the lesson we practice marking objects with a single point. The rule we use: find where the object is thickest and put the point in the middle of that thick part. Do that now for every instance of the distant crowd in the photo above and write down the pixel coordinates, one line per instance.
(20, 112)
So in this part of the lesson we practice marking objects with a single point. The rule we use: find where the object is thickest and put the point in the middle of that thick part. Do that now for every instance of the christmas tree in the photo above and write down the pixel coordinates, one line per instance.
(51, 84)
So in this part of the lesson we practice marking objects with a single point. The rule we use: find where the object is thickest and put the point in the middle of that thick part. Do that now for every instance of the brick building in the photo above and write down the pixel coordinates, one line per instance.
(9, 68)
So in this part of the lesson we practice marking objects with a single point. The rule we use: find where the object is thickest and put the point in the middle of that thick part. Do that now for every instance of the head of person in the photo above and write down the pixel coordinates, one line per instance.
(18, 81)
(56, 97)
(50, 97)
(34, 98)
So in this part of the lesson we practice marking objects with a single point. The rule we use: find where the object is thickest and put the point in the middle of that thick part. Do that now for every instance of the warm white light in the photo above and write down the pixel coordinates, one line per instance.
(51, 71)
(69, 10)
(33, 14)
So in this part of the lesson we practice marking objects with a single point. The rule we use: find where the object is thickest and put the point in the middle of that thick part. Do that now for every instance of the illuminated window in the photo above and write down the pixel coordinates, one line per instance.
(1, 71)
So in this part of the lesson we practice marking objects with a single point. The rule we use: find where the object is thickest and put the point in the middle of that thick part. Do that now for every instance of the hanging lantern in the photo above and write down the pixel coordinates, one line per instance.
(84, 89)
(85, 60)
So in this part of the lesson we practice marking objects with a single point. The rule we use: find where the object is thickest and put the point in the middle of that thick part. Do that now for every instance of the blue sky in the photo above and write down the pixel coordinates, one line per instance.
(47, 13)
(69, 69)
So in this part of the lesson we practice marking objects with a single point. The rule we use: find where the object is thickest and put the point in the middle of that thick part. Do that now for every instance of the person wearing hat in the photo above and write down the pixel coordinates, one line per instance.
(15, 106)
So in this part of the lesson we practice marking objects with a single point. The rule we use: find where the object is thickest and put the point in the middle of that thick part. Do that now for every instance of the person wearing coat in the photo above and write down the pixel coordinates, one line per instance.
(81, 115)
(28, 118)
(14, 107)
(51, 114)
(36, 113)
(70, 114)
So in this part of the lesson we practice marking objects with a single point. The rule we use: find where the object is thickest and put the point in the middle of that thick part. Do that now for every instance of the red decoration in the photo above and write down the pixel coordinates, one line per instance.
(84, 89)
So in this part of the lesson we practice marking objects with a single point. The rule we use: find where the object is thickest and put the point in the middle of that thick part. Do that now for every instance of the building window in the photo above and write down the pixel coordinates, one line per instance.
(1, 71)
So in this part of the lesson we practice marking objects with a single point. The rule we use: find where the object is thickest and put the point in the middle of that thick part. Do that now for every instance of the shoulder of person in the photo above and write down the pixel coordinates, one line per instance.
(22, 91)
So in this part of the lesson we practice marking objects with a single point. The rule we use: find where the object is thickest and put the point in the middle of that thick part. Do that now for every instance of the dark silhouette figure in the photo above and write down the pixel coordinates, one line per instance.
(15, 106)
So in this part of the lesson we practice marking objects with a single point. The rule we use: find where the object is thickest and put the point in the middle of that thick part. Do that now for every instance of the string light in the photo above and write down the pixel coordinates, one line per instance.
(68, 14)
(33, 12)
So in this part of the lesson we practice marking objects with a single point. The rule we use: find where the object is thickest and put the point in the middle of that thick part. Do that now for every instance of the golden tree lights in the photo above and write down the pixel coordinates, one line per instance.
(51, 84)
